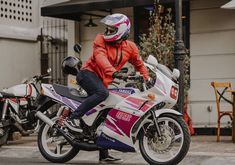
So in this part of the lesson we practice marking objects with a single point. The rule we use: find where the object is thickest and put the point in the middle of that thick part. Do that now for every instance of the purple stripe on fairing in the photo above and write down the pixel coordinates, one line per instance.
(68, 102)
(71, 103)
(107, 142)
(91, 112)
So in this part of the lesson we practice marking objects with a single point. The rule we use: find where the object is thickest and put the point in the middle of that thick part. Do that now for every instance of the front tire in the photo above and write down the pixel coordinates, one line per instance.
(173, 145)
(54, 147)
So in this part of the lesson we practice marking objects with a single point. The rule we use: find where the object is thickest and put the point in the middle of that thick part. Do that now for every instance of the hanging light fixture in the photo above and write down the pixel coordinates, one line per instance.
(90, 23)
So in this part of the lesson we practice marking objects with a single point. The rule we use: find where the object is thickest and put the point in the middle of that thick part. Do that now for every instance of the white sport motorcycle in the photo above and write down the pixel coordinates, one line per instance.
(129, 120)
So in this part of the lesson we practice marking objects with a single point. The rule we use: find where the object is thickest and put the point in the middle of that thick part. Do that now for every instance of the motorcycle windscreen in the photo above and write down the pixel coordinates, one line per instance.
(116, 132)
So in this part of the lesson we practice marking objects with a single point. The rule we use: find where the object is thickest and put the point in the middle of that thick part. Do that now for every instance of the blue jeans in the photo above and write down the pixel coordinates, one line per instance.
(95, 89)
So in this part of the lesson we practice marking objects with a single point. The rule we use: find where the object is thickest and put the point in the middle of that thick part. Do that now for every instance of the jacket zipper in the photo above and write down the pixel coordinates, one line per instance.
(116, 61)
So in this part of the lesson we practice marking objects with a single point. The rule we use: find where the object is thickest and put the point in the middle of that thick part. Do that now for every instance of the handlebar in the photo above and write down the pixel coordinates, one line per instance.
(41, 77)
(131, 77)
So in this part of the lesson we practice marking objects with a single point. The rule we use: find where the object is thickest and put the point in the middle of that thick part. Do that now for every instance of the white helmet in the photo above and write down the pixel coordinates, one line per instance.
(118, 27)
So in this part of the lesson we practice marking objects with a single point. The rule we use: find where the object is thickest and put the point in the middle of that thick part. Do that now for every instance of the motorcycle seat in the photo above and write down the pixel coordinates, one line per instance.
(6, 95)
(68, 92)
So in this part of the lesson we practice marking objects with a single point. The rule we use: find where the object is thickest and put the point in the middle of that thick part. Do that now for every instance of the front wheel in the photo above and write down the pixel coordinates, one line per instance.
(53, 146)
(171, 147)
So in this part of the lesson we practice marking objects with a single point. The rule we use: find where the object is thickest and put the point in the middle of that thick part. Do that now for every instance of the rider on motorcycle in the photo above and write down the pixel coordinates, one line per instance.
(111, 51)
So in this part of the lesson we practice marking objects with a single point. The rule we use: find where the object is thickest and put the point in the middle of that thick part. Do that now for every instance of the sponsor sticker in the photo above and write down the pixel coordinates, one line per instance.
(123, 116)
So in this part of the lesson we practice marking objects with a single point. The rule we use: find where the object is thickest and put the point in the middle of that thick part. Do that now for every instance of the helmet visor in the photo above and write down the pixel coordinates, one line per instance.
(110, 30)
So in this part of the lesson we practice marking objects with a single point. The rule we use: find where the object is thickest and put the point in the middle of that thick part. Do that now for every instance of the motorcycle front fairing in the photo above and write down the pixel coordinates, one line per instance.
(118, 131)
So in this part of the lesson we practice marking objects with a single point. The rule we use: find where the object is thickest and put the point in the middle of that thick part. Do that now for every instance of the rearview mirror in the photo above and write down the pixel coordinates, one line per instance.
(49, 70)
(176, 73)
(124, 70)
(77, 48)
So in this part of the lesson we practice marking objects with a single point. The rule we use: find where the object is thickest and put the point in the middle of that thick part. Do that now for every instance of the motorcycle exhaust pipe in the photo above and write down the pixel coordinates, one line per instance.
(73, 142)
(70, 138)
(44, 118)
(21, 129)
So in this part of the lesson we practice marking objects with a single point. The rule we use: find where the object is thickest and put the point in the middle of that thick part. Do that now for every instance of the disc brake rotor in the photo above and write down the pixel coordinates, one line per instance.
(164, 143)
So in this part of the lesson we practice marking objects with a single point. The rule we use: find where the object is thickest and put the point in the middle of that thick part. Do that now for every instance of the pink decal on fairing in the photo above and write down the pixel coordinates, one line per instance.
(146, 106)
(133, 105)
(135, 101)
(123, 120)
(111, 126)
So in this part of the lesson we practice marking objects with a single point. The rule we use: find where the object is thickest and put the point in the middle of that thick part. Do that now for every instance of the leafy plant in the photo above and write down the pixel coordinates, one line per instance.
(160, 41)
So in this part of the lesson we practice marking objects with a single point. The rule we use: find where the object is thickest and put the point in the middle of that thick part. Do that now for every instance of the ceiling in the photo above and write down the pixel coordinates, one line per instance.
(73, 9)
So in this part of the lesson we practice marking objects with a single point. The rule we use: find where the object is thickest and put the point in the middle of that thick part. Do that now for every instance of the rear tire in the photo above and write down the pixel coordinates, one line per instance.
(53, 157)
(4, 137)
(181, 139)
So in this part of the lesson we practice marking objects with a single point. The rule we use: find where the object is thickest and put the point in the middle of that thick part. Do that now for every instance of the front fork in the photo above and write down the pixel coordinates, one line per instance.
(155, 121)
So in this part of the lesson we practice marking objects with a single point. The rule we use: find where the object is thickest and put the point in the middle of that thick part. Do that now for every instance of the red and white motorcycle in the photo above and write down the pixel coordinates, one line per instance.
(16, 106)
(129, 120)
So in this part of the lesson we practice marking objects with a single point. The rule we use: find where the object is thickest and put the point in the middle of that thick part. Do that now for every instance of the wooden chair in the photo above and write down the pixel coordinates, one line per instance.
(220, 91)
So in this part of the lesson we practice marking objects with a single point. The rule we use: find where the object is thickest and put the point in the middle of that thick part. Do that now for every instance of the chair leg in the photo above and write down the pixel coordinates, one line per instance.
(218, 131)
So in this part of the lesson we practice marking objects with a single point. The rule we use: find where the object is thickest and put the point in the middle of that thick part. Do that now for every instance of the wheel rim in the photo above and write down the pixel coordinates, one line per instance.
(169, 146)
(56, 146)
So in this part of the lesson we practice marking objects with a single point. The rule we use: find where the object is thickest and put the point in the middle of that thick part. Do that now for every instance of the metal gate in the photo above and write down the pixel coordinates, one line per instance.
(54, 43)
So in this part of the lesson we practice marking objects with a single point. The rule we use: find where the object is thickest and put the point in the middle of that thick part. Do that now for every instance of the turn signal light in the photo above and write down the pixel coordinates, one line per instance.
(151, 96)
(72, 81)
(42, 92)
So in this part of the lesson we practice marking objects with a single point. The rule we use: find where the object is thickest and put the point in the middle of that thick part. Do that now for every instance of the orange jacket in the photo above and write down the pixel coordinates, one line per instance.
(107, 59)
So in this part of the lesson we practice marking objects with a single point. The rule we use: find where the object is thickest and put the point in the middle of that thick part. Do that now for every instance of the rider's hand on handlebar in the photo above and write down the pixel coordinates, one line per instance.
(120, 76)
(149, 82)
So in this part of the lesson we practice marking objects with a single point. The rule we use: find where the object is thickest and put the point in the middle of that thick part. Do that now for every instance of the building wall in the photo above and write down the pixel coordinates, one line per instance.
(212, 52)
(19, 51)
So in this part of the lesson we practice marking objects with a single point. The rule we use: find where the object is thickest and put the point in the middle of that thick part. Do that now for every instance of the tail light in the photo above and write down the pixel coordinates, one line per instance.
(174, 92)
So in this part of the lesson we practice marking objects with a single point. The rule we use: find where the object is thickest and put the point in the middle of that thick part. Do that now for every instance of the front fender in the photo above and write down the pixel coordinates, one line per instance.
(164, 111)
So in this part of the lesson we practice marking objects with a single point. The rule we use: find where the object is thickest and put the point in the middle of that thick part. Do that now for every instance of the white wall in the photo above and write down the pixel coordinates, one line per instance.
(19, 51)
(212, 48)
(19, 59)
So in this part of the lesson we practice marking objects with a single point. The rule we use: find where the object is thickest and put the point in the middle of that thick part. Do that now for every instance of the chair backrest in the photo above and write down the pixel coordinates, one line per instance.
(220, 89)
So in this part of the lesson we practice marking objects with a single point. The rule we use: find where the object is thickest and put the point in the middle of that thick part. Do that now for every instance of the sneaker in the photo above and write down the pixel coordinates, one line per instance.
(73, 124)
(111, 160)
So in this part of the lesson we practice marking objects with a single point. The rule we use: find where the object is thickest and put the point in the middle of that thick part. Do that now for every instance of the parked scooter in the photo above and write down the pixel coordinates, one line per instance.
(16, 106)
(129, 120)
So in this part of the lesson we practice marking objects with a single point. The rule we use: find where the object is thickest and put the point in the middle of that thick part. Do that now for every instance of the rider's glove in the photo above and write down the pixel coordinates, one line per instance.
(120, 76)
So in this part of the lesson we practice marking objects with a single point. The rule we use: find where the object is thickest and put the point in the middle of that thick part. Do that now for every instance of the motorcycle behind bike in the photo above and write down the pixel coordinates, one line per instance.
(16, 106)
(129, 120)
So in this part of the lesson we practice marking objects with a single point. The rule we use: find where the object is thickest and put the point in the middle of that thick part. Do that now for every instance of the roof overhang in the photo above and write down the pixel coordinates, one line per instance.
(229, 5)
(73, 9)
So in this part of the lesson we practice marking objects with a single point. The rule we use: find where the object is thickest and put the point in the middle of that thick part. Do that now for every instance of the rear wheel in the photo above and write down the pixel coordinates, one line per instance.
(171, 147)
(53, 146)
